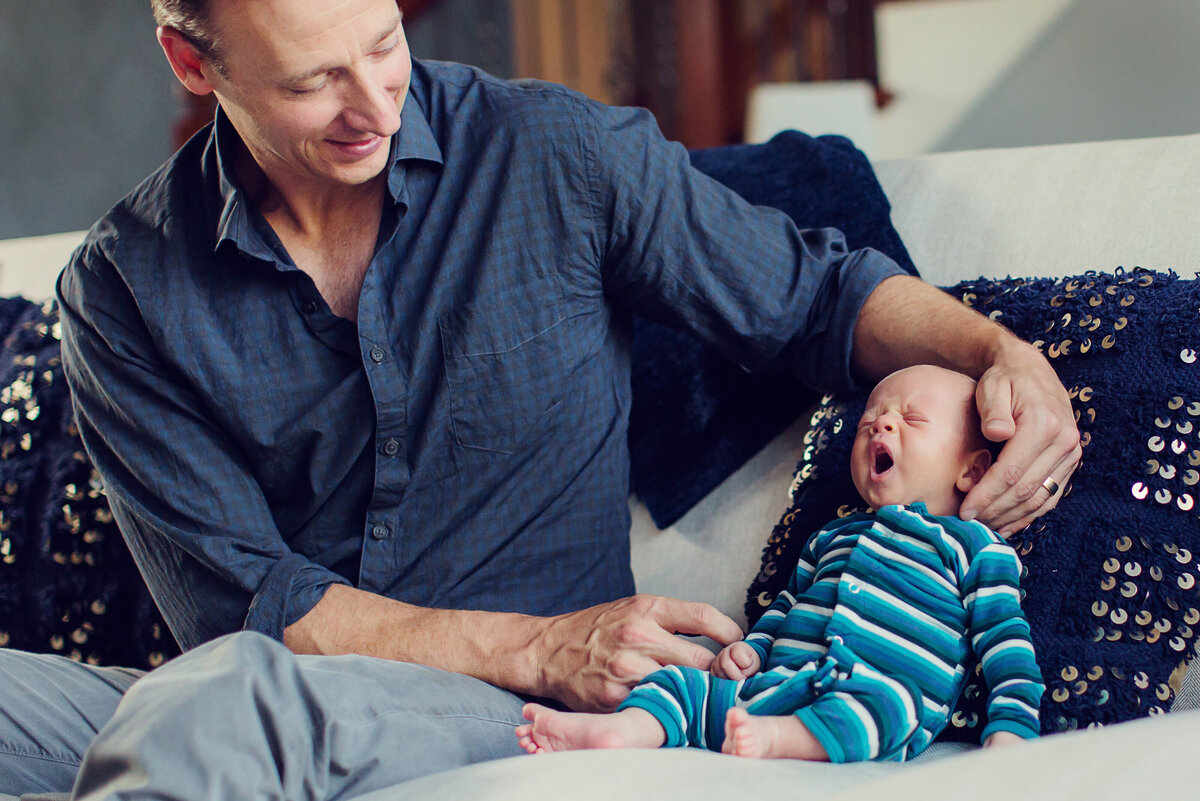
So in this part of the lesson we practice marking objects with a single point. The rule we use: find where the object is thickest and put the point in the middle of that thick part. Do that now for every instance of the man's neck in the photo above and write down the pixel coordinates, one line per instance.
(305, 208)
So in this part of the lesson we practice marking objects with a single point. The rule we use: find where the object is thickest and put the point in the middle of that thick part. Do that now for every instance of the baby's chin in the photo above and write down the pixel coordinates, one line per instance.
(942, 507)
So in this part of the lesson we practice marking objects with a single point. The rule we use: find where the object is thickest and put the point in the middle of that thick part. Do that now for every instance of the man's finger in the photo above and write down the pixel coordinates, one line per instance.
(994, 401)
(693, 618)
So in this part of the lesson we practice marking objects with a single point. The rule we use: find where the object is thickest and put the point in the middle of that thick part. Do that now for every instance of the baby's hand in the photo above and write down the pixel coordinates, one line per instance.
(1002, 738)
(736, 661)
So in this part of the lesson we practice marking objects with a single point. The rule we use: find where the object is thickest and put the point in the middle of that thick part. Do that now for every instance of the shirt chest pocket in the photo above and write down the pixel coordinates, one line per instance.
(505, 362)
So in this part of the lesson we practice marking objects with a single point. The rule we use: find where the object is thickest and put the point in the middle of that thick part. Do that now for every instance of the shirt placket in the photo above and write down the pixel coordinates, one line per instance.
(387, 376)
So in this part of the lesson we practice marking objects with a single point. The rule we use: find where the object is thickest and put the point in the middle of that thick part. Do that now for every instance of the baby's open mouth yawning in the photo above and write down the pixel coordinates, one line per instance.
(883, 461)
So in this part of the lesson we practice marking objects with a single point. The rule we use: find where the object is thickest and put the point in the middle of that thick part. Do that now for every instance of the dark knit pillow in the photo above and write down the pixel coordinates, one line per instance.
(1111, 580)
(67, 582)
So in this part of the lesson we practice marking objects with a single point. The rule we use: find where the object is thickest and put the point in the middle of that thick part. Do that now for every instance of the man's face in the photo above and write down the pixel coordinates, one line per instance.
(314, 87)
(912, 442)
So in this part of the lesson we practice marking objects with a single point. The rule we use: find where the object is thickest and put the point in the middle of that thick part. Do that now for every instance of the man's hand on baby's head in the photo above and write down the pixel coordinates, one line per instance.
(736, 661)
(1022, 402)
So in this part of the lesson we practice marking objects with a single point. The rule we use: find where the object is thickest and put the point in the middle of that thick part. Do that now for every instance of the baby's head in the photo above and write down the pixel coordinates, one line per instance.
(919, 439)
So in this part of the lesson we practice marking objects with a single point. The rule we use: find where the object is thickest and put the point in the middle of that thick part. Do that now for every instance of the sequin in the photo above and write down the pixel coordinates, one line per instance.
(1177, 644)
(1162, 423)
(1111, 565)
(1184, 427)
(1133, 569)
(1140, 491)
(1128, 589)
(1095, 673)
(1156, 444)
(1187, 581)
(1178, 446)
(1163, 496)
(1175, 403)
(1194, 409)
(1119, 616)
(1120, 324)
(1100, 608)
(1183, 556)
(1156, 573)
(1070, 673)
(1152, 467)
(1167, 471)
(1060, 694)
(1187, 356)
(1141, 680)
(1107, 583)
(1143, 618)
(1192, 617)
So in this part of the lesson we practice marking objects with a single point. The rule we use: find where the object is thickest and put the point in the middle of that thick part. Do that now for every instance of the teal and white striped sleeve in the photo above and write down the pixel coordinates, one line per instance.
(1000, 638)
(762, 634)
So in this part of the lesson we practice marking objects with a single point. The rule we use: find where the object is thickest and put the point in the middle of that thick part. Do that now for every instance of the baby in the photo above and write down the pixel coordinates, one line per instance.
(865, 653)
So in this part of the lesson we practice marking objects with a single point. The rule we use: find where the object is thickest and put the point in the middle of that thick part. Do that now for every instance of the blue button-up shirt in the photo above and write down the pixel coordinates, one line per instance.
(463, 445)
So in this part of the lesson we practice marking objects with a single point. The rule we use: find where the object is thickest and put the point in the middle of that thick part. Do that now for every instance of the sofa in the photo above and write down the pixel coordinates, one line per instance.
(1044, 211)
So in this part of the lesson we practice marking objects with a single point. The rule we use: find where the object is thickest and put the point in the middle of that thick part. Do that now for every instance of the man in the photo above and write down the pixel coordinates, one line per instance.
(354, 368)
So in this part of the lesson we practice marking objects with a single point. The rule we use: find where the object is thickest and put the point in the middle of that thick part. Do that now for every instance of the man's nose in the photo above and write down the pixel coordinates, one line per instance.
(373, 107)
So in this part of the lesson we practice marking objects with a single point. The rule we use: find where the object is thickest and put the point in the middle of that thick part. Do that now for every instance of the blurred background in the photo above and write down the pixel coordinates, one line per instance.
(88, 106)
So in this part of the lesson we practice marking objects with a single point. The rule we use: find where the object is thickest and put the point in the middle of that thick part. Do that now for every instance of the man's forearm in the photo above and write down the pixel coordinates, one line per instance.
(499, 648)
(906, 321)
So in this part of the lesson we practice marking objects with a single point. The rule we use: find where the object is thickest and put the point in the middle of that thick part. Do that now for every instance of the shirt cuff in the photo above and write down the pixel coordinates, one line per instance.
(290, 591)
(860, 274)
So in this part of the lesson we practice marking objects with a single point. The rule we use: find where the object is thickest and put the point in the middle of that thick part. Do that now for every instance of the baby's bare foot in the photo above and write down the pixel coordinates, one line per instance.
(550, 730)
(760, 737)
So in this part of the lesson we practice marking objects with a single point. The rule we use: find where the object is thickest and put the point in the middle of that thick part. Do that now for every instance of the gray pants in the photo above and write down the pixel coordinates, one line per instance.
(242, 717)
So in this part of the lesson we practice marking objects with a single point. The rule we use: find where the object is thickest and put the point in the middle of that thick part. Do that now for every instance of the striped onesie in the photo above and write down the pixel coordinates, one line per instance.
(870, 644)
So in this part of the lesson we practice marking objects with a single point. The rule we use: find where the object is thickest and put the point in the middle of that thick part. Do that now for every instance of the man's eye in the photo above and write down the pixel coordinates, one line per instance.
(387, 48)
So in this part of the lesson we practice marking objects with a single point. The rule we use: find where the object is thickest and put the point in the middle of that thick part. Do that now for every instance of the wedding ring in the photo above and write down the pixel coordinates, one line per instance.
(1051, 486)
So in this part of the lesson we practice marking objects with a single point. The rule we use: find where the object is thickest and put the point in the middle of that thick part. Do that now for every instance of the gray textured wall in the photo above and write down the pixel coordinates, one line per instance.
(87, 100)
(86, 107)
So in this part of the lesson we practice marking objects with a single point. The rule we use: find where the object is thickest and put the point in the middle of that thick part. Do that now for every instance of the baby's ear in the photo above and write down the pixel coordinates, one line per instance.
(974, 466)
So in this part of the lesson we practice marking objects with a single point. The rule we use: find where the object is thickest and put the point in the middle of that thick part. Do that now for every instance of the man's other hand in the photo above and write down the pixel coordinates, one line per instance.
(1023, 404)
(590, 659)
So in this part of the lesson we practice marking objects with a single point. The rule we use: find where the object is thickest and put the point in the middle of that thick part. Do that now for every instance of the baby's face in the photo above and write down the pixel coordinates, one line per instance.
(911, 444)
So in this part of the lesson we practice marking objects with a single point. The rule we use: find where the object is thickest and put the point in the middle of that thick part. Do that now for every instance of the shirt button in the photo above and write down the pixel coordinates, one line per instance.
(377, 354)
(309, 307)
(380, 532)
(391, 447)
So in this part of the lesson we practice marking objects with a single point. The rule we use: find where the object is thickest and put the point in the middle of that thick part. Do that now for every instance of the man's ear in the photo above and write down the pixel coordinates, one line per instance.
(974, 466)
(186, 62)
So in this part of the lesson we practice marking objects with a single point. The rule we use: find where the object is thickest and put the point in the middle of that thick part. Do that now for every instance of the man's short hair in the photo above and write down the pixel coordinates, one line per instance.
(191, 19)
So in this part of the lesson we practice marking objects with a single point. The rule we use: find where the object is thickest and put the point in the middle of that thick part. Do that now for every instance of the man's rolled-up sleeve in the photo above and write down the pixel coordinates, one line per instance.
(684, 250)
(195, 519)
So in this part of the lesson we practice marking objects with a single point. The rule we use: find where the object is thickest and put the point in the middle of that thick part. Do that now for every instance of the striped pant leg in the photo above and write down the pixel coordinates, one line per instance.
(864, 715)
(689, 704)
